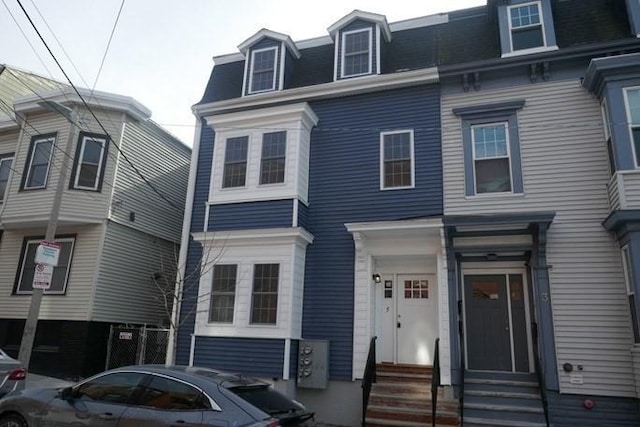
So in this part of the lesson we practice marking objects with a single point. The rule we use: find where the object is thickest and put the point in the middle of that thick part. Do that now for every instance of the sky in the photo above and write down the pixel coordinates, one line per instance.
(161, 50)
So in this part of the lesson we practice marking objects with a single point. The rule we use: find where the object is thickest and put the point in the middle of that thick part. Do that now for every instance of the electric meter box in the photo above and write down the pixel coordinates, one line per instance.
(313, 363)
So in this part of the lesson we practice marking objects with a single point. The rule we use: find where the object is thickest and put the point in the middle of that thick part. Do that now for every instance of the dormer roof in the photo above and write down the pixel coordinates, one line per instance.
(291, 46)
(380, 20)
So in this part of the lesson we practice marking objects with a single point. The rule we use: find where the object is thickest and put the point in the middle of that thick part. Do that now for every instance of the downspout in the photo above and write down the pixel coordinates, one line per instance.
(184, 245)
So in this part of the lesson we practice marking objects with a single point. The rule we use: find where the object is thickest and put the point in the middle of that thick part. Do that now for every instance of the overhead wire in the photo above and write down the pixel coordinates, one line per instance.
(113, 30)
(86, 105)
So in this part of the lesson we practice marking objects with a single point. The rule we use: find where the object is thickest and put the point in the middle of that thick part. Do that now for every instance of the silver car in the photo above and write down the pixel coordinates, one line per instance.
(12, 374)
(155, 396)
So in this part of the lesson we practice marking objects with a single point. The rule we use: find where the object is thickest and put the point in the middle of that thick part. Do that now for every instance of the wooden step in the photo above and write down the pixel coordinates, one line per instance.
(405, 369)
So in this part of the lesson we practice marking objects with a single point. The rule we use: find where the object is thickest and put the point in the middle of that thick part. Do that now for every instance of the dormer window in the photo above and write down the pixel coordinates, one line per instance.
(526, 26)
(356, 52)
(267, 55)
(359, 39)
(263, 70)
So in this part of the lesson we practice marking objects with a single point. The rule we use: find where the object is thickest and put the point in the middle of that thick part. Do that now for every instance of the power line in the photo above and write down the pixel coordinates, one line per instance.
(155, 190)
(113, 30)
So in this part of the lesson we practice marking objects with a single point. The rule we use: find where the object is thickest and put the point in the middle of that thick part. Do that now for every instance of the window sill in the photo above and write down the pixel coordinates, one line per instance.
(409, 187)
(493, 195)
(531, 51)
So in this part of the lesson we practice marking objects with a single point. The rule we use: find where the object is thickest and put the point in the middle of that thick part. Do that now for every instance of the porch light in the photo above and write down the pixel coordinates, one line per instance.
(377, 278)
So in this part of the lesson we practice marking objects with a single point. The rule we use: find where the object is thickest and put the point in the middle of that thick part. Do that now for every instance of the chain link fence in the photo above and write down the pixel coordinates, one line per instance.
(136, 345)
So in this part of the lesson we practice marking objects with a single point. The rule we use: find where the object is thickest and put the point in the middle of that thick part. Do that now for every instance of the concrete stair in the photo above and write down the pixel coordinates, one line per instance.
(502, 399)
(402, 397)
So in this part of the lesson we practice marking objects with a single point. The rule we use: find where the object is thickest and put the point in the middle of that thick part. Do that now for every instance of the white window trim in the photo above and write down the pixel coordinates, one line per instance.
(508, 156)
(224, 161)
(342, 52)
(630, 125)
(542, 27)
(9, 159)
(626, 266)
(103, 143)
(413, 159)
(51, 139)
(275, 68)
(260, 159)
(66, 278)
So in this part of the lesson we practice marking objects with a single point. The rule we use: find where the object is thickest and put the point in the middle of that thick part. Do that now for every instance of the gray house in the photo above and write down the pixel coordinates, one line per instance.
(119, 225)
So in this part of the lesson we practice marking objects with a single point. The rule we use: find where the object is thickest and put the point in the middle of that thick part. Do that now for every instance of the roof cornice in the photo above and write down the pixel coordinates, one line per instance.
(602, 70)
(334, 89)
(283, 38)
(96, 99)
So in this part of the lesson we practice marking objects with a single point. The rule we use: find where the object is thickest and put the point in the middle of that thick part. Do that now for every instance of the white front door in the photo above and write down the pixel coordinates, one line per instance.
(408, 319)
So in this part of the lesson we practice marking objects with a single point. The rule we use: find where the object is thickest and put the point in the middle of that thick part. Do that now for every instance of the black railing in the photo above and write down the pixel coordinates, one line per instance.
(368, 378)
(463, 365)
(539, 373)
(435, 382)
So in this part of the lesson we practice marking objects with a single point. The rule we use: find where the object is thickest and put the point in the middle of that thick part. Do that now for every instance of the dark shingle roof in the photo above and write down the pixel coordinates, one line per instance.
(470, 35)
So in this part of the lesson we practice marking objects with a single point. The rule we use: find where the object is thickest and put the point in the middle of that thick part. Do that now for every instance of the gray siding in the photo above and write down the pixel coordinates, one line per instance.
(77, 206)
(74, 305)
(564, 170)
(125, 291)
(164, 161)
(624, 190)
(569, 411)
(14, 83)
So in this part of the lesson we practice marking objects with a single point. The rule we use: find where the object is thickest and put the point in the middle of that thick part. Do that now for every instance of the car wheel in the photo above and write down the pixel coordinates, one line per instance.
(13, 420)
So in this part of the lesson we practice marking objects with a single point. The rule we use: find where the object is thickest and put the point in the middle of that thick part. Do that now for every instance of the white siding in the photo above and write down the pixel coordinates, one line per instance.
(164, 162)
(33, 207)
(565, 170)
(74, 305)
(125, 291)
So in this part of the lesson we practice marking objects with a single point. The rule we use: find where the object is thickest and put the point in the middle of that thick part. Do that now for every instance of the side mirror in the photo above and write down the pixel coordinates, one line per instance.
(66, 393)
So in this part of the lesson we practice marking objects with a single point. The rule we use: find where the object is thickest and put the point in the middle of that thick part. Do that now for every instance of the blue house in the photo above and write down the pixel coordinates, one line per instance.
(360, 196)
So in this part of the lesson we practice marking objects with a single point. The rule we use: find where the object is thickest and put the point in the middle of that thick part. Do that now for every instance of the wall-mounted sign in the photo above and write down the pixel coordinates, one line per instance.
(126, 335)
(388, 289)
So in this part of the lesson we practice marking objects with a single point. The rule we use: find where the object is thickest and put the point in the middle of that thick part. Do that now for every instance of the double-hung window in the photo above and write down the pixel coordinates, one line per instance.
(397, 160)
(491, 163)
(356, 52)
(526, 26)
(272, 164)
(263, 70)
(38, 162)
(223, 293)
(628, 279)
(27, 267)
(632, 97)
(6, 163)
(235, 162)
(89, 164)
(264, 298)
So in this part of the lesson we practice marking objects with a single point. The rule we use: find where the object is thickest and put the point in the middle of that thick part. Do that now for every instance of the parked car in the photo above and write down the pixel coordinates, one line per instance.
(12, 374)
(155, 395)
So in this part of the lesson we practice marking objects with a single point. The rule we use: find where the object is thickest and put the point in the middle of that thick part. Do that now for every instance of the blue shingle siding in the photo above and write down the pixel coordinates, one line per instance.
(194, 254)
(567, 410)
(251, 215)
(303, 215)
(249, 356)
(344, 186)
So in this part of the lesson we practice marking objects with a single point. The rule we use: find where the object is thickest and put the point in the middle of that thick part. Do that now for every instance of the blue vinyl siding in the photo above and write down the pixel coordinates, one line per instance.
(567, 410)
(248, 356)
(303, 215)
(251, 215)
(344, 186)
(194, 255)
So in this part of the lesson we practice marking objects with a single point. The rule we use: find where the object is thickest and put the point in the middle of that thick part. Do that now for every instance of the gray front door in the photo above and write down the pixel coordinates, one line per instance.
(487, 323)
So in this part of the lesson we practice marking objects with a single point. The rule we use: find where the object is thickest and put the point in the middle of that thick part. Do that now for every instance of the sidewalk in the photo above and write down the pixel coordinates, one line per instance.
(40, 381)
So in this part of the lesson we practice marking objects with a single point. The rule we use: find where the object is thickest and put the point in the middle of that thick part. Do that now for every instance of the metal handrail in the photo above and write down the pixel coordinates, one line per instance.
(368, 378)
(539, 374)
(435, 382)
(463, 365)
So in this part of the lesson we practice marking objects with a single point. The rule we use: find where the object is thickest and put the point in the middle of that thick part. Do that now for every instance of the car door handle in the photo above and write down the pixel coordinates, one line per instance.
(107, 416)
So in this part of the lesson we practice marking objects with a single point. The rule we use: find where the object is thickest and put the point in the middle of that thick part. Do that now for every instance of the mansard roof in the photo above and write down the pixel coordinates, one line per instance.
(452, 40)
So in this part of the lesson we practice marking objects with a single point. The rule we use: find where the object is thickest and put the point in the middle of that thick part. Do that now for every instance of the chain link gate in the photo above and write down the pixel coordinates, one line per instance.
(136, 345)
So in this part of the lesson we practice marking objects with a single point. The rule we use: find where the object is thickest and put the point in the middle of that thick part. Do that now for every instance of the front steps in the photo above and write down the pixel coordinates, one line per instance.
(401, 397)
(502, 399)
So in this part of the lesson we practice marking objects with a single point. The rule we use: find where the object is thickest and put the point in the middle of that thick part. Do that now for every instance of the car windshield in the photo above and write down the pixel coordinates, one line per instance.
(267, 399)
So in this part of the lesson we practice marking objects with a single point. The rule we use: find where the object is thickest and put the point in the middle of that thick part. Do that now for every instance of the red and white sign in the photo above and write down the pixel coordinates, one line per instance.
(48, 253)
(42, 276)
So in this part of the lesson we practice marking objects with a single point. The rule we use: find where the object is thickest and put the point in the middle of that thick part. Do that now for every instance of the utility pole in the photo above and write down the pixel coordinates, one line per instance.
(29, 333)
